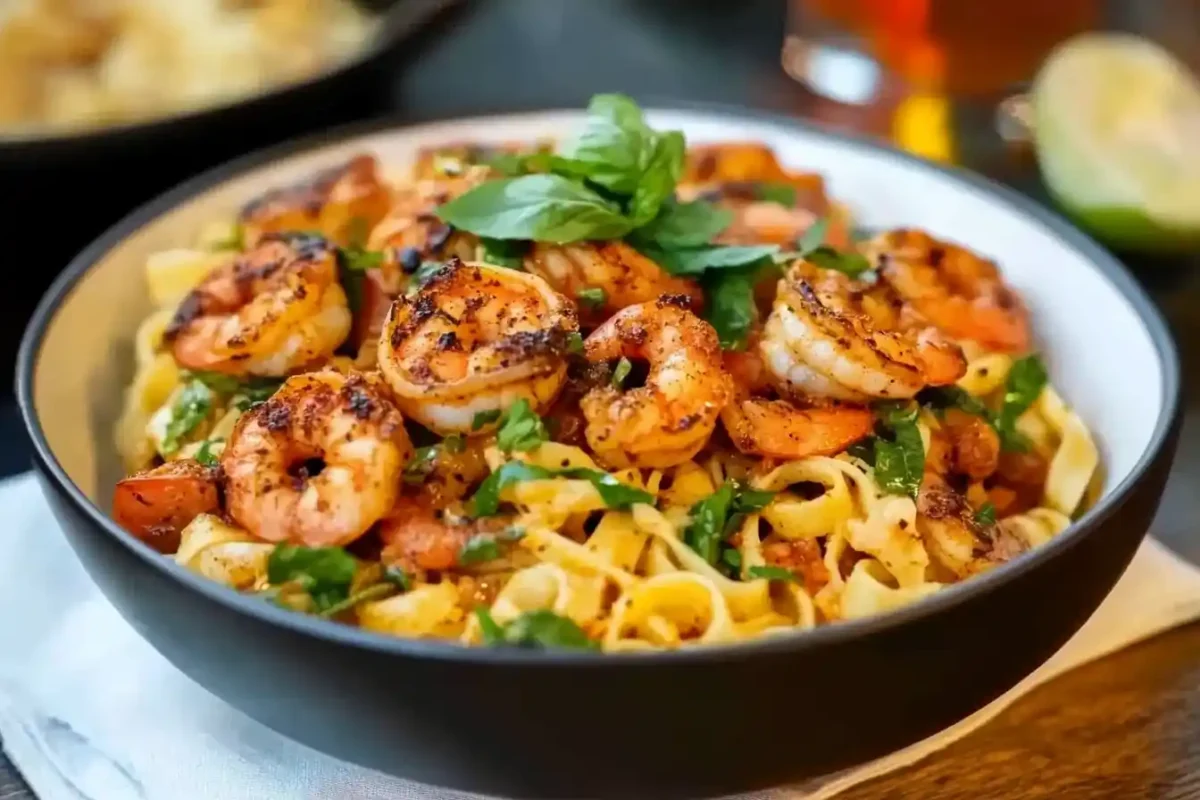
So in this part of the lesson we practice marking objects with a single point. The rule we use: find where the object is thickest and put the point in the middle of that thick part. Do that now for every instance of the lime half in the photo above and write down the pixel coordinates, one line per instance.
(1117, 126)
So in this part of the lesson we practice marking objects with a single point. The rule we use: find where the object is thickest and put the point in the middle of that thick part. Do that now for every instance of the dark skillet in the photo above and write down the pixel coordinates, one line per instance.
(61, 190)
(680, 724)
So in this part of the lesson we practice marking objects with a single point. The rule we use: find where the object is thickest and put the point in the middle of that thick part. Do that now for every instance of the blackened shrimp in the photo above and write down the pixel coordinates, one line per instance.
(318, 463)
(832, 337)
(343, 203)
(955, 539)
(760, 425)
(666, 421)
(271, 311)
(956, 290)
(473, 340)
(612, 274)
(412, 232)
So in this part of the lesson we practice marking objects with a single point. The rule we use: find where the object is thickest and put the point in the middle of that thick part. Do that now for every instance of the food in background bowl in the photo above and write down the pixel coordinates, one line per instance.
(70, 64)
(627, 396)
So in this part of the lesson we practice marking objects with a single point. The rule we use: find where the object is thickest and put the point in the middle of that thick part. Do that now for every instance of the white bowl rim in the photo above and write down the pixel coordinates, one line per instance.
(798, 642)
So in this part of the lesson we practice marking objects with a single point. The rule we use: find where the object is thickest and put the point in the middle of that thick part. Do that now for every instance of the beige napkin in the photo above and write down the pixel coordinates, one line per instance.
(87, 709)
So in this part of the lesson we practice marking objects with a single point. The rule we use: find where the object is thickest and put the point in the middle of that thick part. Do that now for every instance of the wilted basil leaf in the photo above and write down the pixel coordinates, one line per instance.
(190, 409)
(986, 515)
(730, 308)
(324, 572)
(522, 428)
(1026, 380)
(478, 549)
(772, 573)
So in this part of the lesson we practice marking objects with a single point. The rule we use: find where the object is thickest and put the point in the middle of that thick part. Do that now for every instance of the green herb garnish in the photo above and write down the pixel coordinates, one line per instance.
(593, 297)
(782, 193)
(772, 573)
(575, 343)
(205, 455)
(484, 418)
(541, 629)
(190, 409)
(505, 253)
(522, 429)
(814, 237)
(899, 449)
(376, 591)
(621, 372)
(478, 549)
(986, 515)
(718, 516)
(398, 578)
(615, 494)
(325, 573)
(682, 225)
(847, 262)
(1026, 380)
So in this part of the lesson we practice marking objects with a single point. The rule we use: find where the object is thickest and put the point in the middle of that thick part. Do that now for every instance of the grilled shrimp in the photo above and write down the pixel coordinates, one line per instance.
(954, 289)
(273, 310)
(411, 232)
(666, 421)
(830, 336)
(155, 505)
(625, 276)
(475, 338)
(954, 538)
(771, 428)
(342, 203)
(317, 464)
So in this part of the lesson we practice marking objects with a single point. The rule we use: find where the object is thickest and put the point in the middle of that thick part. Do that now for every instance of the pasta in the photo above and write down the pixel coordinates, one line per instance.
(838, 446)
(79, 63)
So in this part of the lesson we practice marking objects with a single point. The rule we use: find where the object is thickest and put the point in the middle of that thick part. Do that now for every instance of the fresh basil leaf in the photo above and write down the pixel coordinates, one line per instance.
(1026, 379)
(505, 252)
(376, 591)
(782, 193)
(486, 501)
(205, 454)
(510, 164)
(730, 306)
(621, 372)
(847, 262)
(707, 529)
(543, 629)
(731, 558)
(190, 409)
(615, 145)
(986, 515)
(492, 631)
(896, 412)
(681, 225)
(658, 180)
(542, 208)
(324, 572)
(900, 461)
(479, 548)
(772, 574)
(575, 343)
(484, 418)
(814, 237)
(398, 578)
(593, 297)
(614, 493)
(522, 429)
(697, 260)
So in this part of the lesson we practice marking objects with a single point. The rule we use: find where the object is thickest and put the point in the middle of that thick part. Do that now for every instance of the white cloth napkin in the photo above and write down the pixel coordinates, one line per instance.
(89, 711)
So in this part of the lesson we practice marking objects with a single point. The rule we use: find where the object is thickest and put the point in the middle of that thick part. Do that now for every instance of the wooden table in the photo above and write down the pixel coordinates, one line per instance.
(1125, 727)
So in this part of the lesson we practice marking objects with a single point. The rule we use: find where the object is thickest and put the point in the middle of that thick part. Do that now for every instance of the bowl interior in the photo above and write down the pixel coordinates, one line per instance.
(1089, 320)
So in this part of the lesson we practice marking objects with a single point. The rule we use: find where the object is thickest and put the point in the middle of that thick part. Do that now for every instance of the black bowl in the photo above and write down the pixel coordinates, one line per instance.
(687, 723)
(75, 184)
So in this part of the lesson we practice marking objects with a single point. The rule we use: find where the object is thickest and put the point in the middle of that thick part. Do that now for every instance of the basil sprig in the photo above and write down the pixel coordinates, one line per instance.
(717, 517)
(541, 629)
(898, 449)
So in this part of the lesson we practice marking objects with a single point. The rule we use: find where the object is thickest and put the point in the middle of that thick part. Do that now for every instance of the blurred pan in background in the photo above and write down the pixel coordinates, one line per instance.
(91, 146)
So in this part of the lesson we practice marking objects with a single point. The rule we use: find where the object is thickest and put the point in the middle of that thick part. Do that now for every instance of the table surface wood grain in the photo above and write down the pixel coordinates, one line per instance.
(1127, 726)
